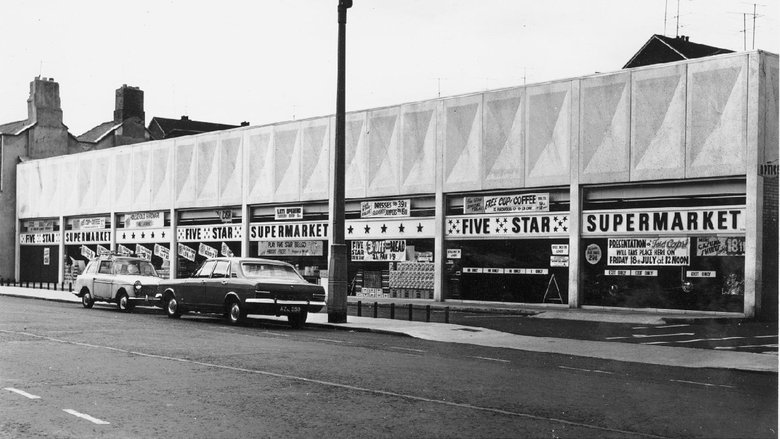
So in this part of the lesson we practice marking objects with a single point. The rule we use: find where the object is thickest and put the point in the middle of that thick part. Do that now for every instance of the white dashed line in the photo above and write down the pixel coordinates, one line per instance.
(330, 340)
(492, 359)
(275, 333)
(616, 338)
(747, 346)
(586, 370)
(765, 336)
(661, 335)
(706, 339)
(406, 349)
(672, 326)
(702, 384)
(87, 417)
(23, 393)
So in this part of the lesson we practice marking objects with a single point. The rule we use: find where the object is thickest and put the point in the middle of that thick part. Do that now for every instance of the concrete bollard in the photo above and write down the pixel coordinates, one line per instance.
(427, 313)
(410, 312)
(392, 311)
(376, 308)
(447, 314)
(359, 308)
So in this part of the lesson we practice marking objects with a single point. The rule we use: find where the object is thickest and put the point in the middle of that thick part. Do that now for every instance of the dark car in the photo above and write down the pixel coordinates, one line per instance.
(236, 287)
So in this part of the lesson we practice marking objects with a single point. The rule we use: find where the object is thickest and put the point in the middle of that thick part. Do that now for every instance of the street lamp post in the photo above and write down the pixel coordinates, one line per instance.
(337, 266)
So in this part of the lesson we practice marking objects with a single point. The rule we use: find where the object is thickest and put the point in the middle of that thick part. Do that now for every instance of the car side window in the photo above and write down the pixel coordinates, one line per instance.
(206, 269)
(222, 269)
(105, 267)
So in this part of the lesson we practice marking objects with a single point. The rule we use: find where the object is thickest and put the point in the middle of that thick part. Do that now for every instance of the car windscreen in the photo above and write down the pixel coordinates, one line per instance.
(270, 272)
(140, 268)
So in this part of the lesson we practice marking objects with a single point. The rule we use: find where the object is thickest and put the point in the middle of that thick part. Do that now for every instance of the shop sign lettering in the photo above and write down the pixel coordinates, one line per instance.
(143, 252)
(288, 213)
(122, 250)
(103, 250)
(649, 251)
(382, 250)
(144, 220)
(87, 237)
(290, 248)
(559, 261)
(700, 274)
(384, 209)
(225, 215)
(453, 253)
(209, 233)
(720, 246)
(39, 238)
(539, 202)
(89, 223)
(87, 252)
(207, 251)
(226, 251)
(162, 252)
(506, 226)
(186, 252)
(560, 249)
(478, 270)
(705, 220)
(287, 231)
(39, 226)
(640, 273)
(46, 256)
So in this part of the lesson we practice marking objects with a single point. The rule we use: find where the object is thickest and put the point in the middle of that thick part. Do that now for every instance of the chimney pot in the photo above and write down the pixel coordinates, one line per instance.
(185, 118)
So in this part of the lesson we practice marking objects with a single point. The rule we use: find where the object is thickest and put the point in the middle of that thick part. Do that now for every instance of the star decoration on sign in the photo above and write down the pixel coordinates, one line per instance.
(401, 228)
(350, 229)
(501, 225)
(419, 227)
(124, 235)
(367, 229)
(163, 234)
(132, 235)
(143, 235)
(384, 228)
(453, 227)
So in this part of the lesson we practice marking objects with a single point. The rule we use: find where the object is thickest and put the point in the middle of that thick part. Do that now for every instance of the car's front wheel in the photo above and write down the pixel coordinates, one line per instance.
(86, 299)
(123, 302)
(235, 314)
(297, 321)
(172, 307)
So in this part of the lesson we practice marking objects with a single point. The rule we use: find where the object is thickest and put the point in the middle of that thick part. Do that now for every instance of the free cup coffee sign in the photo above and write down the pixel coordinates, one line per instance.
(507, 203)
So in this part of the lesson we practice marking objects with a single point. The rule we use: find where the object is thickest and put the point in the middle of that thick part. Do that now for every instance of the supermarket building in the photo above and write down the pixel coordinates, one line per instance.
(647, 188)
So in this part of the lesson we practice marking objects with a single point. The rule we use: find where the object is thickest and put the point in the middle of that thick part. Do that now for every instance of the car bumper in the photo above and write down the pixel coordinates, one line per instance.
(155, 300)
(280, 307)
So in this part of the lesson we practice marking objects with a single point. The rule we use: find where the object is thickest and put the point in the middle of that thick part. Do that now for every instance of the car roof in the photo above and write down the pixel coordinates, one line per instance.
(250, 260)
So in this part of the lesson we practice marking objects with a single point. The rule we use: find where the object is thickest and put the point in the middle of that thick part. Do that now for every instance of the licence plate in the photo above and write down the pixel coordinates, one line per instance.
(289, 309)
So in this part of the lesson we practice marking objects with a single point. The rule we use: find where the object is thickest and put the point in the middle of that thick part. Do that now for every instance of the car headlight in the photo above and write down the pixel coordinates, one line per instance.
(137, 286)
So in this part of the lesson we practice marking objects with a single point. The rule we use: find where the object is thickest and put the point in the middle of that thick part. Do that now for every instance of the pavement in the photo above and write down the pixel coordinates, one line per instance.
(451, 333)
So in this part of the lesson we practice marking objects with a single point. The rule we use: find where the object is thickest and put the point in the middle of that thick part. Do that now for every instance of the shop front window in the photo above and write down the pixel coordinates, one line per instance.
(704, 273)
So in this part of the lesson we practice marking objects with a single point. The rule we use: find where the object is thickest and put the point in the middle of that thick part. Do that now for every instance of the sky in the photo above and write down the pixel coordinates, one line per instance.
(266, 61)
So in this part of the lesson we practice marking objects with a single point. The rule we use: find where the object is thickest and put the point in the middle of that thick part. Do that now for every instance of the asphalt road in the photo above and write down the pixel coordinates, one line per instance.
(74, 373)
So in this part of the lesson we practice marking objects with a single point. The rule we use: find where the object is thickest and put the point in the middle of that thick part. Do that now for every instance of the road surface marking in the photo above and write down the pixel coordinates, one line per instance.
(84, 416)
(765, 336)
(770, 353)
(747, 346)
(346, 386)
(705, 339)
(23, 393)
(406, 349)
(330, 340)
(276, 333)
(511, 316)
(702, 384)
(671, 326)
(661, 335)
(616, 338)
(586, 370)
(492, 359)
(655, 342)
(641, 327)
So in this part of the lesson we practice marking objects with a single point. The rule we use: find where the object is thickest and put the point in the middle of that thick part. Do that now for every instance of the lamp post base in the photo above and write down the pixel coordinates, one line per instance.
(337, 284)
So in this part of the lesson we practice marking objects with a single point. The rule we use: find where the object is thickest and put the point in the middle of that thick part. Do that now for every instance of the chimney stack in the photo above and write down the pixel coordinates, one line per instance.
(129, 104)
(43, 105)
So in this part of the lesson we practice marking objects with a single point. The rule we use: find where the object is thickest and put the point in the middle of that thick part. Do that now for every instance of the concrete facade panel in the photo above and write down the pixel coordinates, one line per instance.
(382, 165)
(418, 148)
(503, 150)
(548, 134)
(658, 123)
(315, 159)
(461, 120)
(355, 154)
(259, 164)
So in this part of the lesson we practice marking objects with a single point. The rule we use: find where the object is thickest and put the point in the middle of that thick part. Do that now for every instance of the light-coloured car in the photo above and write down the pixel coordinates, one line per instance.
(125, 280)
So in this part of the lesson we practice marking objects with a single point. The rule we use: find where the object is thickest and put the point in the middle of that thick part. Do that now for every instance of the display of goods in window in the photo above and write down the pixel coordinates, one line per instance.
(412, 280)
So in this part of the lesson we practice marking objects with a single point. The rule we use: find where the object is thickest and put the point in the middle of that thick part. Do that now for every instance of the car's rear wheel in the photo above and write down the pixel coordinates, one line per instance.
(86, 299)
(172, 307)
(123, 302)
(235, 314)
(298, 320)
